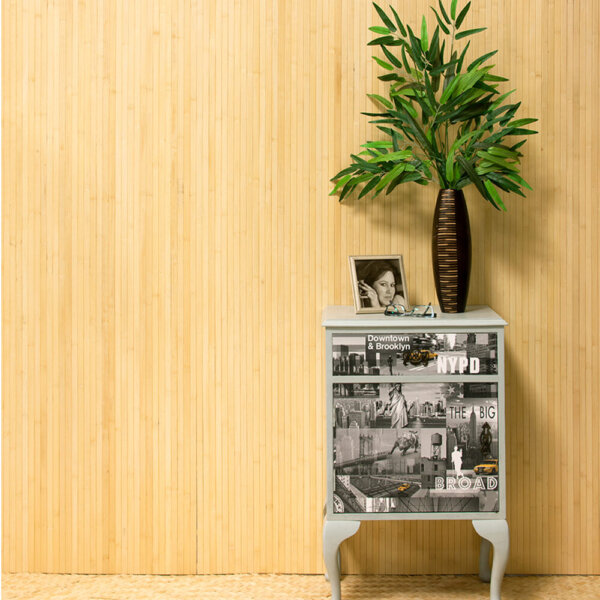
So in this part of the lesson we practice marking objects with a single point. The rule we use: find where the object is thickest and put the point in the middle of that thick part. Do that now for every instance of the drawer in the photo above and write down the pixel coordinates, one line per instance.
(396, 353)
(415, 447)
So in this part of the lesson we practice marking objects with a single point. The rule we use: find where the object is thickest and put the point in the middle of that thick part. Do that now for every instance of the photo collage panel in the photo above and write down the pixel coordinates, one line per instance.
(415, 447)
(415, 354)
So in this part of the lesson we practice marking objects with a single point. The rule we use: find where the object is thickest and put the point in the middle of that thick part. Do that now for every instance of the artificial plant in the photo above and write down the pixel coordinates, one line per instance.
(444, 117)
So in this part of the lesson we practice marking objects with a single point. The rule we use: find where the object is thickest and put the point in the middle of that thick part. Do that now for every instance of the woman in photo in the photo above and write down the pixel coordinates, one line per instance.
(378, 283)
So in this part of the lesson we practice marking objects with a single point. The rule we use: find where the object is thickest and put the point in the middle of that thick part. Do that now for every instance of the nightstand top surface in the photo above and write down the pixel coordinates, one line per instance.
(474, 316)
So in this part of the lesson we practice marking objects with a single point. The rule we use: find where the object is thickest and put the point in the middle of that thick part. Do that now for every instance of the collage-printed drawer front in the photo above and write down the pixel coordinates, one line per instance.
(419, 354)
(430, 447)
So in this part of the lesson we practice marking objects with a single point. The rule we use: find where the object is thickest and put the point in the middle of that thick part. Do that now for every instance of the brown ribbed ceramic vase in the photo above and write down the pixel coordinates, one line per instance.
(451, 250)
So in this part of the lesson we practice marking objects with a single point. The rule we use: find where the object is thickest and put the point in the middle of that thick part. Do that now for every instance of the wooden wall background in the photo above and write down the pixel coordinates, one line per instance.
(168, 245)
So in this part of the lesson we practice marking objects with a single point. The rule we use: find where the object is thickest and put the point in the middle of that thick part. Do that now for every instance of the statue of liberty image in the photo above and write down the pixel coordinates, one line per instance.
(396, 407)
(457, 461)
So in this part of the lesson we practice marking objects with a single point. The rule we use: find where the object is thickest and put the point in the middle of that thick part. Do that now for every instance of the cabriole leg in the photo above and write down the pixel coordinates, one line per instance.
(485, 570)
(334, 533)
(494, 532)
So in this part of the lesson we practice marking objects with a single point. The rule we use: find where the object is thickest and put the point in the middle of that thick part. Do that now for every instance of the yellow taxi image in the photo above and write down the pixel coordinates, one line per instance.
(418, 357)
(487, 467)
(403, 487)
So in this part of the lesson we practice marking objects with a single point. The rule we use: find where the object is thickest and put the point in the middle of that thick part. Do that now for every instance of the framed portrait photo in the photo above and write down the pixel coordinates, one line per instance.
(378, 281)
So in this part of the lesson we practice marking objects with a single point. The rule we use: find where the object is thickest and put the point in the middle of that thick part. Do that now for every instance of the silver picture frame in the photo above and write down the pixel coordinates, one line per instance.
(372, 278)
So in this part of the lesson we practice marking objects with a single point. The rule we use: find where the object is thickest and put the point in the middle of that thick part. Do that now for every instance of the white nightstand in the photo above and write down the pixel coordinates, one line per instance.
(415, 427)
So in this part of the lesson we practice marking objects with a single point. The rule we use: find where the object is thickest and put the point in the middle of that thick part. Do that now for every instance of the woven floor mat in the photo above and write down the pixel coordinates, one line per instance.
(288, 587)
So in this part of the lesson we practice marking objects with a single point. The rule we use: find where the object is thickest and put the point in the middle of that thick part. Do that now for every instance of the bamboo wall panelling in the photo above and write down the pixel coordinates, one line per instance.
(168, 244)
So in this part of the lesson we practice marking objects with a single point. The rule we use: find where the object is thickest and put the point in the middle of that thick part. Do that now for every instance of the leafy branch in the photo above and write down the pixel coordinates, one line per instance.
(442, 121)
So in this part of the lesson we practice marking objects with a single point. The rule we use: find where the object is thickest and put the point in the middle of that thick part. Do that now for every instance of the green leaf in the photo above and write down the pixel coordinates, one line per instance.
(492, 89)
(383, 64)
(449, 76)
(384, 18)
(497, 160)
(404, 91)
(500, 99)
(388, 121)
(509, 114)
(419, 134)
(430, 94)
(362, 178)
(416, 48)
(514, 148)
(521, 122)
(424, 42)
(462, 34)
(474, 77)
(494, 194)
(469, 79)
(370, 152)
(364, 165)
(430, 135)
(490, 77)
(399, 22)
(505, 184)
(465, 101)
(405, 61)
(387, 40)
(501, 151)
(448, 91)
(444, 13)
(434, 47)
(450, 160)
(411, 86)
(409, 108)
(519, 180)
(344, 172)
(475, 179)
(378, 144)
(391, 58)
(520, 131)
(345, 191)
(423, 165)
(442, 49)
(390, 76)
(380, 30)
(450, 170)
(396, 182)
(392, 156)
(440, 22)
(439, 70)
(381, 99)
(387, 130)
(387, 178)
(462, 15)
(465, 113)
(462, 57)
(481, 60)
(496, 115)
(464, 181)
(366, 114)
(340, 183)
(369, 186)
(453, 9)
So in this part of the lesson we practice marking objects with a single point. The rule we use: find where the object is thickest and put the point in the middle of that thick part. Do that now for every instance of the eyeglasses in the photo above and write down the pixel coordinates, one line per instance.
(398, 310)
